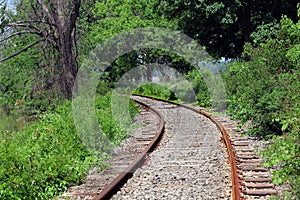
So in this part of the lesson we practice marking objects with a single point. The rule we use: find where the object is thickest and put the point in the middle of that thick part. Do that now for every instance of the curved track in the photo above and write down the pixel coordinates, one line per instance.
(121, 179)
(189, 163)
(248, 179)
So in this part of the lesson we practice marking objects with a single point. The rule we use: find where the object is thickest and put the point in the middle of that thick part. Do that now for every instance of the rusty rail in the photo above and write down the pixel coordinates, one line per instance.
(236, 193)
(234, 173)
(113, 187)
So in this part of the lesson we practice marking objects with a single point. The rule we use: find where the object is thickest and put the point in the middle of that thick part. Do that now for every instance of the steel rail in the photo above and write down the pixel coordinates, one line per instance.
(236, 193)
(114, 186)
(234, 173)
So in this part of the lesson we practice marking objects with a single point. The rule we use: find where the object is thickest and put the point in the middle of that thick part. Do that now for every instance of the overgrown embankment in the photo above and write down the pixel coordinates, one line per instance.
(48, 156)
(264, 88)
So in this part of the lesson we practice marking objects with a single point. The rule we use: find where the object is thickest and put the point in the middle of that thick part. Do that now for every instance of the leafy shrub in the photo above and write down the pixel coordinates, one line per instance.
(254, 88)
(264, 32)
(265, 89)
(111, 129)
(284, 152)
(44, 159)
(200, 87)
(156, 91)
(49, 156)
(26, 78)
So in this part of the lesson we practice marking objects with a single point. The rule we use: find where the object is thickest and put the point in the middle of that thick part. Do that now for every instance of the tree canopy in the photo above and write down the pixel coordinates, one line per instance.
(224, 26)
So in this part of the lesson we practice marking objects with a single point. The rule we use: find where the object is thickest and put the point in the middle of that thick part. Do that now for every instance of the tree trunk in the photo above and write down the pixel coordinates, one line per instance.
(65, 29)
(247, 21)
(67, 64)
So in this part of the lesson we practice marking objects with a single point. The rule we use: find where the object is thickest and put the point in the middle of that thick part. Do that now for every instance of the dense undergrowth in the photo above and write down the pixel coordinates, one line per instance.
(264, 88)
(155, 90)
(48, 156)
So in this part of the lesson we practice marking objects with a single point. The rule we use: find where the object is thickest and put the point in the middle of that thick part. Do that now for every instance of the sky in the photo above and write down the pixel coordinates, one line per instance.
(10, 3)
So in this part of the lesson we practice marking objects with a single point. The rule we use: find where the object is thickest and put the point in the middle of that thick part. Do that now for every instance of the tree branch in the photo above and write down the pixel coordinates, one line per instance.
(46, 11)
(21, 33)
(75, 13)
(35, 21)
(29, 21)
(54, 12)
(22, 50)
(23, 25)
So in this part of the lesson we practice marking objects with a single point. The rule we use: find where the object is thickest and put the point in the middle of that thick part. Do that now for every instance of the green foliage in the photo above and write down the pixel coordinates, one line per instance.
(7, 122)
(110, 127)
(114, 17)
(200, 87)
(156, 90)
(284, 152)
(16, 76)
(264, 32)
(28, 76)
(265, 90)
(49, 156)
(224, 26)
(254, 87)
(283, 158)
(44, 159)
(118, 16)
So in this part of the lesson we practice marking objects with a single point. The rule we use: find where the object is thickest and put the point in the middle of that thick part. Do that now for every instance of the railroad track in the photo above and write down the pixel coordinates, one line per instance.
(183, 166)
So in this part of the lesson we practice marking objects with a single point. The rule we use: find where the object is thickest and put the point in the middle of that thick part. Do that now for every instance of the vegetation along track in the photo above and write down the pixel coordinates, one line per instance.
(188, 163)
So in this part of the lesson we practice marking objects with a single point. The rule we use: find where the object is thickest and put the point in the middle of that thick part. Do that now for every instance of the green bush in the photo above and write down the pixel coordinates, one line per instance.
(254, 88)
(284, 152)
(112, 130)
(199, 87)
(26, 78)
(264, 88)
(44, 159)
(156, 90)
(49, 156)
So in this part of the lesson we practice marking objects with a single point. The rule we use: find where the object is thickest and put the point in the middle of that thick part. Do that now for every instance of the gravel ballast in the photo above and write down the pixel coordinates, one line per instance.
(190, 162)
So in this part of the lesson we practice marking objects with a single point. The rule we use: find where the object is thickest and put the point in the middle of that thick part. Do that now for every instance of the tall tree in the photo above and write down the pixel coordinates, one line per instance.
(114, 17)
(53, 24)
(224, 26)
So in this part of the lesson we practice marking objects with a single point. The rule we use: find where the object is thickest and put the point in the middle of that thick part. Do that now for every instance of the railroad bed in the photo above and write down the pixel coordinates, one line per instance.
(123, 156)
(190, 162)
